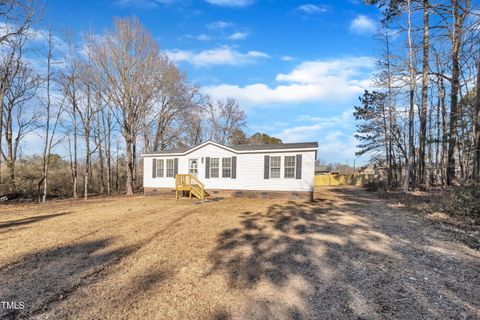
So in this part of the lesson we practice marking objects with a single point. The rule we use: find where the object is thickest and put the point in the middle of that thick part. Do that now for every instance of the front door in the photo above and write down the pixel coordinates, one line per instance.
(193, 167)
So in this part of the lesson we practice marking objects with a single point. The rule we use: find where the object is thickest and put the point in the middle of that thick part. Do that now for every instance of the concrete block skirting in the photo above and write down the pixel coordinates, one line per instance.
(220, 193)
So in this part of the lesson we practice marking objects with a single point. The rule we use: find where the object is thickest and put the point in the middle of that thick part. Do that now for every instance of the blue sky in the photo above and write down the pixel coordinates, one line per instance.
(296, 67)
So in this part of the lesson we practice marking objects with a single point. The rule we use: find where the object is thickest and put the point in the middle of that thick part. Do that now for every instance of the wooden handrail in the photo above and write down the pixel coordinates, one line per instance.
(188, 178)
(197, 181)
(188, 182)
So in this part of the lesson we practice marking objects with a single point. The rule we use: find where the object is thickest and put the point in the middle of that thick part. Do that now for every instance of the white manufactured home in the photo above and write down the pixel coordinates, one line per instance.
(242, 170)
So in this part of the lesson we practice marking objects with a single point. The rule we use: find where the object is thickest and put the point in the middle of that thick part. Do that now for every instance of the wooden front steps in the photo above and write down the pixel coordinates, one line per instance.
(187, 183)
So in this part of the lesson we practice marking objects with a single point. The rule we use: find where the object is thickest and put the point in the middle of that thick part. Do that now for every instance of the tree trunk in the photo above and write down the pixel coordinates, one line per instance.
(75, 161)
(431, 173)
(387, 148)
(134, 162)
(437, 140)
(452, 141)
(11, 170)
(444, 132)
(1, 132)
(423, 112)
(73, 155)
(456, 36)
(391, 156)
(116, 171)
(477, 127)
(86, 173)
(130, 165)
(107, 127)
(100, 157)
(409, 176)
(461, 141)
(47, 147)
(10, 161)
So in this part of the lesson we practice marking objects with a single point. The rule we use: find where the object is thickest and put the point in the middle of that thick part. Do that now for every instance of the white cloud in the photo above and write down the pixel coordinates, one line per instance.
(344, 145)
(40, 36)
(218, 56)
(238, 36)
(363, 25)
(143, 3)
(342, 120)
(315, 71)
(312, 8)
(310, 81)
(219, 24)
(332, 133)
(257, 54)
(231, 3)
(287, 58)
(203, 37)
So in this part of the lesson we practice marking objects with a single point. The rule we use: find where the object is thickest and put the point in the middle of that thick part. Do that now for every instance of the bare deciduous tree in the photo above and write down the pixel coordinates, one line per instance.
(127, 63)
(69, 81)
(52, 116)
(20, 118)
(225, 118)
(459, 11)
(16, 18)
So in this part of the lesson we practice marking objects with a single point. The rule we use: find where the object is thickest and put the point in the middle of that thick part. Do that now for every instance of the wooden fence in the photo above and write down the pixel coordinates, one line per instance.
(343, 179)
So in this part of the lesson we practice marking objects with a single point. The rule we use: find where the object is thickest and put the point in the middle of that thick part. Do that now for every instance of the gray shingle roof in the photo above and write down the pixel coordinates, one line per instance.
(174, 150)
(247, 147)
(299, 145)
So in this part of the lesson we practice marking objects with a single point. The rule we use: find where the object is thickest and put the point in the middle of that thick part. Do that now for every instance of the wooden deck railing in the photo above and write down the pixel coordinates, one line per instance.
(189, 183)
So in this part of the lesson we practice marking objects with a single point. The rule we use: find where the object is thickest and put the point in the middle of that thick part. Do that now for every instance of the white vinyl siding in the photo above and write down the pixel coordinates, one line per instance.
(249, 170)
(289, 167)
(226, 167)
(170, 168)
(160, 168)
(214, 167)
(275, 163)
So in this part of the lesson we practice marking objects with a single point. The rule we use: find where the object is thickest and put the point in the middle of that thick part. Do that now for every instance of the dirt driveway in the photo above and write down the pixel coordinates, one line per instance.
(348, 255)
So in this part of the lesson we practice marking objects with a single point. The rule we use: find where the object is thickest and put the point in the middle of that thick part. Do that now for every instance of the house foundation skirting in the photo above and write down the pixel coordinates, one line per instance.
(222, 193)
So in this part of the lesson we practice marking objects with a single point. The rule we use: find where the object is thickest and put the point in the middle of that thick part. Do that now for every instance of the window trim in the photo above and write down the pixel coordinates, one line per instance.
(160, 168)
(279, 167)
(229, 168)
(293, 167)
(172, 161)
(217, 167)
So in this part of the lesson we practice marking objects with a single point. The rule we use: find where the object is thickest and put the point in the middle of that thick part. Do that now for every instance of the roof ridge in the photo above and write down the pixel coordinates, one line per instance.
(244, 147)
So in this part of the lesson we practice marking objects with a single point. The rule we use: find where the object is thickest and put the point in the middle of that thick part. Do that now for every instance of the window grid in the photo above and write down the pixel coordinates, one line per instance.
(169, 168)
(289, 165)
(226, 167)
(275, 163)
(160, 168)
(214, 167)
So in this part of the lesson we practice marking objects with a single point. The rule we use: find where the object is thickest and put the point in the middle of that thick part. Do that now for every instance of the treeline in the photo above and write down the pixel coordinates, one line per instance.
(422, 120)
(99, 101)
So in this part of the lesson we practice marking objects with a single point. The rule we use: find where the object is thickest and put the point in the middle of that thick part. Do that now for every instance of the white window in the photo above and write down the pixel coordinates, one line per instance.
(275, 163)
(226, 167)
(193, 167)
(214, 167)
(160, 168)
(289, 167)
(170, 168)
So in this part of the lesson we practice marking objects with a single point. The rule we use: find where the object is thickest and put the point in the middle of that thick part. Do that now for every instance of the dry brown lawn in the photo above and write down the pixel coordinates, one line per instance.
(348, 255)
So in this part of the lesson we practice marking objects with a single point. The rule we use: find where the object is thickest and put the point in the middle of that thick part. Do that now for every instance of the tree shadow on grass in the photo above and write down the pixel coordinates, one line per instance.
(48, 276)
(339, 260)
(117, 293)
(29, 220)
